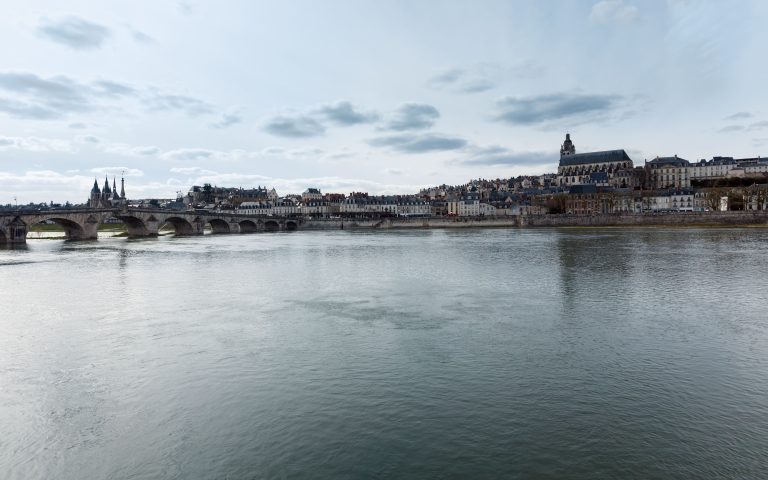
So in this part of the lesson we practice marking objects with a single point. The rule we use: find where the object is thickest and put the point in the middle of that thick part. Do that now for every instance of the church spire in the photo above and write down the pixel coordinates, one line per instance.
(122, 187)
(95, 188)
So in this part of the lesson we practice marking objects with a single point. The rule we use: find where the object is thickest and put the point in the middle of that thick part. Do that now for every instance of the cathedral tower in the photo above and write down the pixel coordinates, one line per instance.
(567, 148)
(95, 199)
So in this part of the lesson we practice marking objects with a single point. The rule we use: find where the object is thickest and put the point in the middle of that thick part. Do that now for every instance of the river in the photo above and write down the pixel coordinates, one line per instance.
(498, 353)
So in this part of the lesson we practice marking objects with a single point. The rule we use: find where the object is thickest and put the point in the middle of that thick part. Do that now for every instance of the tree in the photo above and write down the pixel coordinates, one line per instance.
(556, 203)
(736, 199)
(207, 193)
(712, 198)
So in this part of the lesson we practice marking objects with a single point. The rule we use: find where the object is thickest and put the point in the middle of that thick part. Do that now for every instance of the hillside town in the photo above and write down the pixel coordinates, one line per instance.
(586, 183)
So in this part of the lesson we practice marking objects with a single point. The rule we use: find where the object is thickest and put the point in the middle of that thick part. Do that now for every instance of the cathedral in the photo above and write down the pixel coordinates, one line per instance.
(590, 167)
(107, 197)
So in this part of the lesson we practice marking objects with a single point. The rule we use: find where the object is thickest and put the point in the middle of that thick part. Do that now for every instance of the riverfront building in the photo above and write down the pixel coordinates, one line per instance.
(590, 167)
(590, 183)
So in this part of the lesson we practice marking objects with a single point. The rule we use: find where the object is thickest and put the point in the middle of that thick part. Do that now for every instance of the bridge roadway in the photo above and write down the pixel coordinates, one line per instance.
(83, 224)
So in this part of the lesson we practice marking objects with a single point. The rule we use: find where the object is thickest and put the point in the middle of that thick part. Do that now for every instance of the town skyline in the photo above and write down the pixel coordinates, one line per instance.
(189, 93)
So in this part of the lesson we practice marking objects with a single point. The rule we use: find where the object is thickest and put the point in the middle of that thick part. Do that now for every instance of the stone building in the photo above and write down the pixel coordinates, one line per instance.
(668, 172)
(590, 167)
(107, 197)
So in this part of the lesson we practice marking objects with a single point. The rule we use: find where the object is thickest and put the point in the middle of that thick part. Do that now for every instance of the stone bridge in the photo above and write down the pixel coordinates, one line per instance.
(84, 224)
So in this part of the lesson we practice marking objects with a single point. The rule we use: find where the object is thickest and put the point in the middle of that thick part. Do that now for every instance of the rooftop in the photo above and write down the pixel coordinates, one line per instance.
(606, 156)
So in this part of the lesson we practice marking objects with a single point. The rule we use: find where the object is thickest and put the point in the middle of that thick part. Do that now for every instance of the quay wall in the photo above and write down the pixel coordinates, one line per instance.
(649, 219)
(603, 220)
(409, 223)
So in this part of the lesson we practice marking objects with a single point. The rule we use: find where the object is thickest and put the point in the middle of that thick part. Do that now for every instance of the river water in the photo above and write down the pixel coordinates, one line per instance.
(506, 353)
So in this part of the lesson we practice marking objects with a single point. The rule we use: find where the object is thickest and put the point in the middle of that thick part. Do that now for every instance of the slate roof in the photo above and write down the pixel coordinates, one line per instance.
(594, 157)
(674, 161)
(588, 188)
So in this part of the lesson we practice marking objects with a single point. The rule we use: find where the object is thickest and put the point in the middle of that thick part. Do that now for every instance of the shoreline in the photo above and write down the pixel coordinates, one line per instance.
(693, 219)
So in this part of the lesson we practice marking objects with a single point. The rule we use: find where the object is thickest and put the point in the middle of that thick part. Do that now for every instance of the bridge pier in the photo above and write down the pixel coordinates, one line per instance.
(13, 232)
(88, 230)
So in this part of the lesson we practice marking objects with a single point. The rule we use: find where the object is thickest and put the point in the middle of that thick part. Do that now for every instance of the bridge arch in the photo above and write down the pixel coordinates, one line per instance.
(3, 238)
(248, 226)
(291, 226)
(135, 226)
(271, 226)
(72, 229)
(180, 226)
(219, 226)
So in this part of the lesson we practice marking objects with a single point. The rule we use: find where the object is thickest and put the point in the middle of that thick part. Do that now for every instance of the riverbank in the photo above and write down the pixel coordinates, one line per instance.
(700, 219)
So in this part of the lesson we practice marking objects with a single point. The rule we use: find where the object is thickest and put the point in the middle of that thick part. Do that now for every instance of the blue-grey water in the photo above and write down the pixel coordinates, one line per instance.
(537, 353)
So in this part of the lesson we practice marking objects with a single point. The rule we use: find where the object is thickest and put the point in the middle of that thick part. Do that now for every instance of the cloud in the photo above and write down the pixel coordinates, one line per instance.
(37, 178)
(461, 81)
(42, 98)
(118, 171)
(304, 152)
(345, 114)
(88, 139)
(192, 171)
(299, 126)
(157, 101)
(738, 116)
(227, 120)
(74, 32)
(412, 116)
(526, 69)
(419, 143)
(107, 88)
(141, 37)
(188, 154)
(34, 144)
(187, 8)
(613, 11)
(393, 171)
(553, 107)
(484, 76)
(27, 111)
(496, 155)
(744, 128)
(131, 150)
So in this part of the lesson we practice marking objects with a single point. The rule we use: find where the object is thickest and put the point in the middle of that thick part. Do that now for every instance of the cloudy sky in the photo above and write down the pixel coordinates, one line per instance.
(347, 95)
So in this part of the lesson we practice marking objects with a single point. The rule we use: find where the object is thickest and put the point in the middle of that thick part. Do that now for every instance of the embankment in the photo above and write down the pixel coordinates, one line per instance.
(606, 220)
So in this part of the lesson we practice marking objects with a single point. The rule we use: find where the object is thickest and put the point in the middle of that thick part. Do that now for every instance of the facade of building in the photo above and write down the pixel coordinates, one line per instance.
(668, 172)
(591, 167)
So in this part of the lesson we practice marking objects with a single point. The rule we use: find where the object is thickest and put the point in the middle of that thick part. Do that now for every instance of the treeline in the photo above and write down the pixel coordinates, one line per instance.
(729, 182)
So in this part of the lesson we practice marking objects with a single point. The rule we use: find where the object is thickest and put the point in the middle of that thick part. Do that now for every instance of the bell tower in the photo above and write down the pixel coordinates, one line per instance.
(567, 148)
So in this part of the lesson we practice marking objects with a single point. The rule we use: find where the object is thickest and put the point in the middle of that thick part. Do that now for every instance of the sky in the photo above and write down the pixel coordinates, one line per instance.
(365, 95)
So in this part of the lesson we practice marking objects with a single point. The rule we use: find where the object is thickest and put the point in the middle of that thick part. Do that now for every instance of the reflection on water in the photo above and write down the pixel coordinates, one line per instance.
(542, 353)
